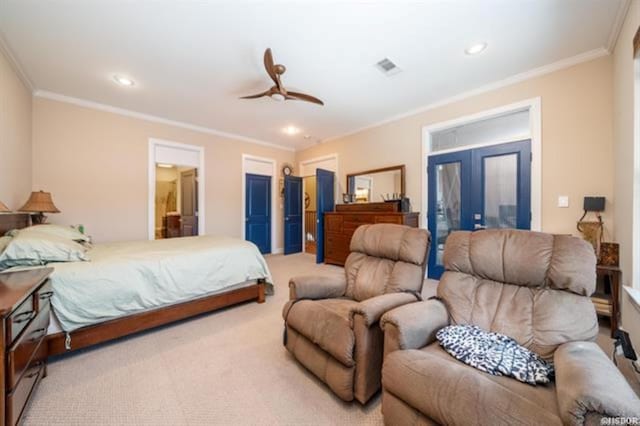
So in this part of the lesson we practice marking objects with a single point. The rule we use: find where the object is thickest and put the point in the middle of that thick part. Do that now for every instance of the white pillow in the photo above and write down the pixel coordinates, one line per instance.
(4, 242)
(65, 232)
(39, 249)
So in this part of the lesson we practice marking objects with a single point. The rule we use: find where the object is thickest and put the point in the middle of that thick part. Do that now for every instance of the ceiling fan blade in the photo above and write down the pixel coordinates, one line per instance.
(270, 67)
(303, 97)
(257, 95)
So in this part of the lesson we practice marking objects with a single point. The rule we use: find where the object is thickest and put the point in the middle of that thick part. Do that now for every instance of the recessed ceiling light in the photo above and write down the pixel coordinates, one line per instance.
(476, 49)
(123, 81)
(291, 130)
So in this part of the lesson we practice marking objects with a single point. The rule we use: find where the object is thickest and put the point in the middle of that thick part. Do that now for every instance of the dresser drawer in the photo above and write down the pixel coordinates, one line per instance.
(332, 223)
(19, 319)
(398, 219)
(19, 397)
(336, 248)
(357, 220)
(26, 349)
(44, 294)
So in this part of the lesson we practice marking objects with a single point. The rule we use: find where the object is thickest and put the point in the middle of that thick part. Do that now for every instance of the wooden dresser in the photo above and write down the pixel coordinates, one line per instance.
(340, 225)
(24, 308)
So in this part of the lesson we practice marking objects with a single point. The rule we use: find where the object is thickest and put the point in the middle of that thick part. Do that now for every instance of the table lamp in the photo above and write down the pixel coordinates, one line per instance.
(38, 204)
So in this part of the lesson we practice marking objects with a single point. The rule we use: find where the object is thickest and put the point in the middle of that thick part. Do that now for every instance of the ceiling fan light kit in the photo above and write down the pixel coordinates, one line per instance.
(279, 92)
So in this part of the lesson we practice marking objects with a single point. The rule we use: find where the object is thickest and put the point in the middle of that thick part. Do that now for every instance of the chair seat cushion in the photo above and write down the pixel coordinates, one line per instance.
(450, 392)
(326, 323)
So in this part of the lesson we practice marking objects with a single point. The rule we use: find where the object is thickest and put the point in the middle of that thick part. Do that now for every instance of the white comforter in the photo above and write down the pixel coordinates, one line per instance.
(126, 278)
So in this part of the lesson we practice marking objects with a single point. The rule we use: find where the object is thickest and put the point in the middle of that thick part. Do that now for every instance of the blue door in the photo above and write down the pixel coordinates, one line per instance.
(258, 211)
(292, 214)
(476, 189)
(324, 203)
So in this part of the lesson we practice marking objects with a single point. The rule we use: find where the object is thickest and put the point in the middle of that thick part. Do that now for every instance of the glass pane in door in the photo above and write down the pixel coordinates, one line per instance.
(448, 197)
(501, 191)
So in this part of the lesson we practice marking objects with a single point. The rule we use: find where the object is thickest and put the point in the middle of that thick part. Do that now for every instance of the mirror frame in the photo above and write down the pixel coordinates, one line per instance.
(401, 167)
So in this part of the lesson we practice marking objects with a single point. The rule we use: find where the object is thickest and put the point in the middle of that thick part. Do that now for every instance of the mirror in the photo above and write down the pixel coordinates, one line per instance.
(377, 185)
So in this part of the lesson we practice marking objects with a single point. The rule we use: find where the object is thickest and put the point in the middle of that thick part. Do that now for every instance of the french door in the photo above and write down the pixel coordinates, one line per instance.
(474, 189)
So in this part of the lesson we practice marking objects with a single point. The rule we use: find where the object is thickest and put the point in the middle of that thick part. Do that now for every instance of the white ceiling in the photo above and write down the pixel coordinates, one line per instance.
(192, 60)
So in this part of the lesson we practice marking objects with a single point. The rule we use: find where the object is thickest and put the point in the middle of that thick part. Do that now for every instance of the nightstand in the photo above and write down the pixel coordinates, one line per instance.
(24, 312)
(607, 303)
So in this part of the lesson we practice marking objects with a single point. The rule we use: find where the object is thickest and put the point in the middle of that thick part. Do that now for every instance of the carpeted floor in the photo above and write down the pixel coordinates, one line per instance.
(227, 368)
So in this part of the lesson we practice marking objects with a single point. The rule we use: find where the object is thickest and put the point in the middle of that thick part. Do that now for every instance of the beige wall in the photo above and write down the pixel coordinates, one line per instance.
(95, 165)
(15, 137)
(577, 155)
(623, 107)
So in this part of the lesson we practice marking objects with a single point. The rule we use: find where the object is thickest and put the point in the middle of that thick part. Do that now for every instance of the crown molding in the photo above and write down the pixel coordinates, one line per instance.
(527, 75)
(15, 64)
(44, 94)
(618, 23)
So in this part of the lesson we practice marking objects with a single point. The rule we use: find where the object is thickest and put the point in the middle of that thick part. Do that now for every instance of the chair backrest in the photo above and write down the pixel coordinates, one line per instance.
(531, 286)
(386, 258)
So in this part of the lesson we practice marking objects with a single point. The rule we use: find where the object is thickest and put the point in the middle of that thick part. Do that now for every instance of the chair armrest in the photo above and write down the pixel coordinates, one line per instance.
(317, 287)
(373, 308)
(413, 326)
(588, 383)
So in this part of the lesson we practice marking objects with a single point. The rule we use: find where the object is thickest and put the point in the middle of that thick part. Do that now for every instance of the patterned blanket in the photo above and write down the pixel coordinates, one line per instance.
(494, 353)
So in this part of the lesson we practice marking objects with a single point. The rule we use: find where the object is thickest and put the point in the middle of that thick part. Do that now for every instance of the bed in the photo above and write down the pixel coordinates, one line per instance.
(129, 287)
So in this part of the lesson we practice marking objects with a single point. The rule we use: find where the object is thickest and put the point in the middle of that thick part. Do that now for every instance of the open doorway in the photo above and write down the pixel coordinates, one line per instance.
(176, 190)
(310, 214)
(176, 201)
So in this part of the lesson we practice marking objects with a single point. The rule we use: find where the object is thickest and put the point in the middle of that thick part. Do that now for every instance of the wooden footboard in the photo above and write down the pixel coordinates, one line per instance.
(119, 327)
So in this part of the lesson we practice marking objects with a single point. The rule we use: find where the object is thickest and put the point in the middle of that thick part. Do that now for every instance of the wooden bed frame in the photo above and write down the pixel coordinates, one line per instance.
(130, 324)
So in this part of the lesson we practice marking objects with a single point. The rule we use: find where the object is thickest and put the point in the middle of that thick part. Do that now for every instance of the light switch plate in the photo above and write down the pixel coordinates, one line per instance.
(563, 201)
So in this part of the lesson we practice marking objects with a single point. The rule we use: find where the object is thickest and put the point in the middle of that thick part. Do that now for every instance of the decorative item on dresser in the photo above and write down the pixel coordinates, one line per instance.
(3, 208)
(340, 225)
(38, 204)
(24, 308)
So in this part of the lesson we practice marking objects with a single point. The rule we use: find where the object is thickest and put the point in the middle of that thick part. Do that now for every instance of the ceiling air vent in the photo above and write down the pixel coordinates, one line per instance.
(388, 67)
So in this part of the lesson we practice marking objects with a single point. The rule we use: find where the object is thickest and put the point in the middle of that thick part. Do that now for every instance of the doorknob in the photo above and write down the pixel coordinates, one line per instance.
(478, 226)
(286, 218)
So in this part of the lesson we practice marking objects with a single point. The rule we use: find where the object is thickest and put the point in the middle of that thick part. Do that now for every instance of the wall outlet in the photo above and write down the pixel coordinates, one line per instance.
(563, 201)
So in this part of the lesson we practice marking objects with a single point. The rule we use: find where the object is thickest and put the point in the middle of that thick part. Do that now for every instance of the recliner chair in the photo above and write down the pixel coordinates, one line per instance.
(331, 324)
(531, 286)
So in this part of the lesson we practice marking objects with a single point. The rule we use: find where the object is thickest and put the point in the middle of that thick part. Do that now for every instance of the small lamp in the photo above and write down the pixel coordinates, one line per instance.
(3, 208)
(39, 203)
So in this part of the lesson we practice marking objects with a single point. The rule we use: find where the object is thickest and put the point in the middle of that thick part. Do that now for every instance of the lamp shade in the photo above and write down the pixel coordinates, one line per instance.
(39, 202)
(3, 208)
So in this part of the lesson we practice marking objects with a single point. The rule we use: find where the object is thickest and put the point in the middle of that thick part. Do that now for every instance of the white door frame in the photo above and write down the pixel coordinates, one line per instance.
(336, 186)
(535, 134)
(635, 248)
(153, 144)
(274, 197)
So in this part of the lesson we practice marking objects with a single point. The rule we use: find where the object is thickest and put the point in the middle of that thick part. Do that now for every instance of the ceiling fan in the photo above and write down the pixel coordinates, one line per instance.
(278, 92)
